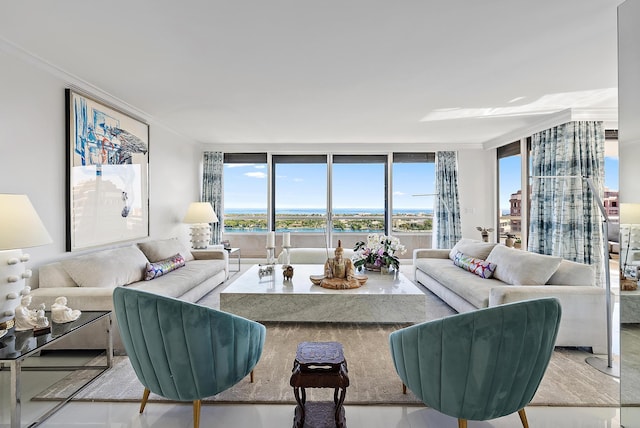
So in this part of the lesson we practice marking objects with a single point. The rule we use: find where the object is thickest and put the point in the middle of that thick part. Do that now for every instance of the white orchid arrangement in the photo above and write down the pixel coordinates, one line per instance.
(379, 250)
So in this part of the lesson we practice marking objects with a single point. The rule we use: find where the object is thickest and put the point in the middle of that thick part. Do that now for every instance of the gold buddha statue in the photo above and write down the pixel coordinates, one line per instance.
(339, 273)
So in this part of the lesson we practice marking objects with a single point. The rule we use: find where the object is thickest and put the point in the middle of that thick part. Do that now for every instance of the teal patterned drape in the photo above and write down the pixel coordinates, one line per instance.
(565, 220)
(213, 164)
(447, 204)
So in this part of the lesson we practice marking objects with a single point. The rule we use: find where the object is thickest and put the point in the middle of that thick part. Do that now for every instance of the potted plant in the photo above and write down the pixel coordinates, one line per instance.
(378, 252)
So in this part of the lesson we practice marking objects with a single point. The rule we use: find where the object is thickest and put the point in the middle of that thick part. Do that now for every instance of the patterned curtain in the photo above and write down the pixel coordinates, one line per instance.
(447, 204)
(212, 190)
(565, 220)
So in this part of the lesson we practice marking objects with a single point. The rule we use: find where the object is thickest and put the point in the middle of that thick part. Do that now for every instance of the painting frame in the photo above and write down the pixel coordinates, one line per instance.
(107, 174)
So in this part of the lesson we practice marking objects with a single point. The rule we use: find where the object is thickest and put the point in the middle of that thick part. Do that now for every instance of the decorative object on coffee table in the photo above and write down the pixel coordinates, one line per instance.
(319, 365)
(200, 215)
(339, 273)
(61, 313)
(377, 251)
(25, 317)
(287, 272)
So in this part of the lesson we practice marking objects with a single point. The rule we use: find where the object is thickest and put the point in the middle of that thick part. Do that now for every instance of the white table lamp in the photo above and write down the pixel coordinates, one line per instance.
(20, 227)
(200, 215)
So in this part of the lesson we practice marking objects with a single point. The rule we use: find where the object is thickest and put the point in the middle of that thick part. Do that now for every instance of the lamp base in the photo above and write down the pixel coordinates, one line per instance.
(602, 365)
(200, 236)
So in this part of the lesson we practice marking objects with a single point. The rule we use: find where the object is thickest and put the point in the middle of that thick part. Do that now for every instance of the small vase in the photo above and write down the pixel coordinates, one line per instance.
(384, 270)
(371, 267)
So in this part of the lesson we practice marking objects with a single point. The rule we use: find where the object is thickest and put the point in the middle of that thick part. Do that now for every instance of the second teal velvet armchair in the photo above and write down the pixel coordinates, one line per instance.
(479, 365)
(183, 351)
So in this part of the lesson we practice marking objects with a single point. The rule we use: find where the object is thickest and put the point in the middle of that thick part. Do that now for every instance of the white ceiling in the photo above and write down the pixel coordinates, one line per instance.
(332, 71)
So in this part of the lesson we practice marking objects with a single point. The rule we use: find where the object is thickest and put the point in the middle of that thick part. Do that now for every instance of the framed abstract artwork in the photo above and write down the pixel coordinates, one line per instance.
(107, 174)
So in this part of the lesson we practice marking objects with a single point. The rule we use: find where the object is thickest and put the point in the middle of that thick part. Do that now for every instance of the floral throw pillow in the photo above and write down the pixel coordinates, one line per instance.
(480, 267)
(157, 269)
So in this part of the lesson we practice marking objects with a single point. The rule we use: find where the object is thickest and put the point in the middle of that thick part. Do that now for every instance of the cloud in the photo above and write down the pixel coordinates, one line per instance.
(256, 174)
(259, 166)
(298, 180)
(238, 165)
(398, 193)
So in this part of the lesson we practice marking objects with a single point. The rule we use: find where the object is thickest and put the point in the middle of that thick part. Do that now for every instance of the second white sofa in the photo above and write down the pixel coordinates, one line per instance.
(519, 275)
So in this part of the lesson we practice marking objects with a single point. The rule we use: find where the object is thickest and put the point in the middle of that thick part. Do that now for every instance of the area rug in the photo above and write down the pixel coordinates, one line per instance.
(569, 381)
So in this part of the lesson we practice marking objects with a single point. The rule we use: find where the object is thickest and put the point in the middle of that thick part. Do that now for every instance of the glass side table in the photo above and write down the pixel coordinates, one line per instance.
(17, 346)
(234, 251)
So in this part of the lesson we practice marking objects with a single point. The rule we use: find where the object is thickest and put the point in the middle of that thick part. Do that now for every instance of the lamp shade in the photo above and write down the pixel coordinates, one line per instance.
(20, 226)
(200, 212)
(629, 213)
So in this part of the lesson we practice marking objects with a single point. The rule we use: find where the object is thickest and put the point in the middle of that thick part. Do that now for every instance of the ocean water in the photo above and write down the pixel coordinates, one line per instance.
(322, 211)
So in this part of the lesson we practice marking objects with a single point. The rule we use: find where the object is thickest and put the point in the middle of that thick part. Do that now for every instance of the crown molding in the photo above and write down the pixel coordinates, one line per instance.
(76, 83)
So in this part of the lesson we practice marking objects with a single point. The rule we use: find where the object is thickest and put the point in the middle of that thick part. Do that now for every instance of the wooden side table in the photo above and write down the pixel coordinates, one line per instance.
(319, 365)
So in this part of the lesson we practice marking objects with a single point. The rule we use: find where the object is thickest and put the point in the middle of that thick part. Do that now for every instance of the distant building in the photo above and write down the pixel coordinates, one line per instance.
(610, 202)
(515, 212)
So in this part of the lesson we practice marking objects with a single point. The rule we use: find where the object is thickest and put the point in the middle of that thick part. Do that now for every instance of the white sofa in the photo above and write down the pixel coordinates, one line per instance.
(519, 275)
(88, 280)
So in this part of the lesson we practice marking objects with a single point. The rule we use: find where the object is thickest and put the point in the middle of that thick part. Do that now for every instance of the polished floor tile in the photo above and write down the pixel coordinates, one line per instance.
(109, 415)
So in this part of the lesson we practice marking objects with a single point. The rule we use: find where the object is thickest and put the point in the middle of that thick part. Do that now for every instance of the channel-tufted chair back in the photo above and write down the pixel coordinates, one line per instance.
(482, 364)
(183, 351)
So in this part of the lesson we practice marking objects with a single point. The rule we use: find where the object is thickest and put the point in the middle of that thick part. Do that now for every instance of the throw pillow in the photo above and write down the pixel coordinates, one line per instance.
(519, 267)
(480, 267)
(473, 248)
(162, 249)
(157, 269)
(107, 268)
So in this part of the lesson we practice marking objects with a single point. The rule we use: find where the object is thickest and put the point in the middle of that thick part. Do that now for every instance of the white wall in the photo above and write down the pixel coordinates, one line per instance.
(33, 151)
(629, 100)
(477, 187)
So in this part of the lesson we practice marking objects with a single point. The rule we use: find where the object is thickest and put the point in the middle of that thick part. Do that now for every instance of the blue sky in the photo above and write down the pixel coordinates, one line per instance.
(510, 175)
(304, 186)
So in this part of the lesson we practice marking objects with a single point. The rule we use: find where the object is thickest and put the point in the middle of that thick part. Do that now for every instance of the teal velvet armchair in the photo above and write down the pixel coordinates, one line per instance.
(182, 351)
(479, 365)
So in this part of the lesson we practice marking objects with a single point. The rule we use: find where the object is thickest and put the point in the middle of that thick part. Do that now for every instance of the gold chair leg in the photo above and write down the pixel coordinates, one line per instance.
(145, 397)
(462, 423)
(196, 413)
(404, 388)
(523, 418)
(251, 376)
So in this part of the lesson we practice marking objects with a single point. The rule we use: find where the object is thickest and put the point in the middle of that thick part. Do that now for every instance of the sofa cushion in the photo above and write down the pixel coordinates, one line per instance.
(470, 287)
(479, 267)
(180, 281)
(473, 248)
(107, 268)
(572, 273)
(162, 249)
(518, 267)
(157, 269)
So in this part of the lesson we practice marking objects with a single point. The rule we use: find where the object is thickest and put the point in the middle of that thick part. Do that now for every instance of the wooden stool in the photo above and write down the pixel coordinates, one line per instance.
(319, 365)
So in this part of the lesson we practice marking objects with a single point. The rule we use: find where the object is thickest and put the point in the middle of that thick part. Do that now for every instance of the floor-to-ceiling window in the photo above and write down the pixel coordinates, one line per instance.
(245, 178)
(320, 198)
(413, 192)
(358, 193)
(299, 194)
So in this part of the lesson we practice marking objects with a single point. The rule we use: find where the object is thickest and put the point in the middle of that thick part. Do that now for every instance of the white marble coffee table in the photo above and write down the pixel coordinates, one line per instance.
(383, 299)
